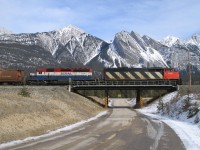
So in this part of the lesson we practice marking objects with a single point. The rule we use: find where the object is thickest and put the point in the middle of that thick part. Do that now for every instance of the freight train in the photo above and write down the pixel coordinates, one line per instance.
(64, 75)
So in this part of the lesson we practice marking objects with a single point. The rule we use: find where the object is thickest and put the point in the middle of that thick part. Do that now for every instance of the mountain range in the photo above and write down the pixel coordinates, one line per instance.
(73, 47)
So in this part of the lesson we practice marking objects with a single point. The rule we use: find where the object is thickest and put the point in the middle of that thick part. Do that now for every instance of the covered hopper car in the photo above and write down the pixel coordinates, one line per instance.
(11, 76)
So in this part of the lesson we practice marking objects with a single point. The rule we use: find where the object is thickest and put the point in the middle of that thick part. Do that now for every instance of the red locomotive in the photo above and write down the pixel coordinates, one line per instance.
(171, 74)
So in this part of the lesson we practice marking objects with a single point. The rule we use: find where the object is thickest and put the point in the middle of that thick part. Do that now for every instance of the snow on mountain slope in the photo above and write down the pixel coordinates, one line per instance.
(169, 40)
(73, 47)
(176, 55)
(5, 31)
(65, 34)
(133, 49)
(195, 40)
(74, 42)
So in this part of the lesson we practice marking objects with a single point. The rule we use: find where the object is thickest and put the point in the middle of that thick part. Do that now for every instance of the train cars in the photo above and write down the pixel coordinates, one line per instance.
(141, 74)
(11, 76)
(65, 75)
(59, 75)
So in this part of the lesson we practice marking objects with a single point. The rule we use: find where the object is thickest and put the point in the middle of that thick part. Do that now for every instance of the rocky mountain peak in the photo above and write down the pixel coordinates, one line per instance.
(146, 37)
(169, 40)
(5, 31)
(70, 29)
(196, 39)
(122, 34)
(73, 47)
(134, 50)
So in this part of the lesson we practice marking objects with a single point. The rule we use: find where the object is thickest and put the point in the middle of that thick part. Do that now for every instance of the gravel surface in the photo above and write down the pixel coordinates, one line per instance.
(46, 109)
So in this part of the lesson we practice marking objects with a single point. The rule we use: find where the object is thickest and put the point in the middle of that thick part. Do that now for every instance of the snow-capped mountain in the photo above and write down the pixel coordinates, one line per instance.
(73, 47)
(127, 50)
(135, 52)
(69, 46)
(5, 31)
(170, 40)
(195, 40)
(176, 51)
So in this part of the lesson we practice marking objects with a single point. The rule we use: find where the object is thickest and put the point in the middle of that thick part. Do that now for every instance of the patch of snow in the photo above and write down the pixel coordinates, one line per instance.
(188, 132)
(139, 37)
(93, 54)
(152, 55)
(156, 55)
(138, 65)
(110, 102)
(106, 63)
(195, 40)
(71, 29)
(147, 37)
(5, 31)
(114, 55)
(169, 40)
(132, 102)
(54, 50)
(65, 34)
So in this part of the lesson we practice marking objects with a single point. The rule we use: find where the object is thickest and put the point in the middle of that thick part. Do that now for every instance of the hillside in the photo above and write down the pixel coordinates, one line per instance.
(46, 109)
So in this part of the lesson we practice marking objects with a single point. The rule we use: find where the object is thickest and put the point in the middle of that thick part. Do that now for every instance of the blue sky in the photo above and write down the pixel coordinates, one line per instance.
(103, 18)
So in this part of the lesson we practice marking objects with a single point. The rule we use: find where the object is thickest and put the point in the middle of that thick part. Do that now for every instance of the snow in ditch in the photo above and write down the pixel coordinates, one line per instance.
(66, 128)
(186, 129)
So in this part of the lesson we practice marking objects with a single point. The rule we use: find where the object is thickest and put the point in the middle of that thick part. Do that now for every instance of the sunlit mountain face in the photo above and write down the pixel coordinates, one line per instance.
(73, 47)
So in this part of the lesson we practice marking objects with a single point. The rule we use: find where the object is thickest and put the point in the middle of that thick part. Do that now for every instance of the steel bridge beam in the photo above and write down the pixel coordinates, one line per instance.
(123, 85)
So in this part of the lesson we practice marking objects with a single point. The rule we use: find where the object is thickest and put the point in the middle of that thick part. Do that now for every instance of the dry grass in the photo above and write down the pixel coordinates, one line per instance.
(47, 108)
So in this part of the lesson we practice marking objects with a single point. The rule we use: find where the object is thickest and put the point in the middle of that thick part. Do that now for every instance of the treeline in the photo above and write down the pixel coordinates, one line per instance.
(195, 78)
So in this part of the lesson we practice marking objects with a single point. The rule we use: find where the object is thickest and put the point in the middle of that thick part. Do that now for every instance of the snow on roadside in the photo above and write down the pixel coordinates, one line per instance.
(131, 102)
(153, 107)
(66, 128)
(186, 129)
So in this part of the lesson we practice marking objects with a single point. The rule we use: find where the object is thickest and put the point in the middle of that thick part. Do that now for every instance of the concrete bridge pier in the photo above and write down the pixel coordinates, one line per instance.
(70, 85)
(139, 101)
(106, 99)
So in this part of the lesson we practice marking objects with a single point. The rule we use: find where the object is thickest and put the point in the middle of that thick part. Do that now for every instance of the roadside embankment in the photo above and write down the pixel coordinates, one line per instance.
(183, 105)
(31, 111)
(181, 111)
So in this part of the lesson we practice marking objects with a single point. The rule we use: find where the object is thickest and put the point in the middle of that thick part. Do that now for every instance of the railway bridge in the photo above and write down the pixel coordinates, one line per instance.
(139, 86)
